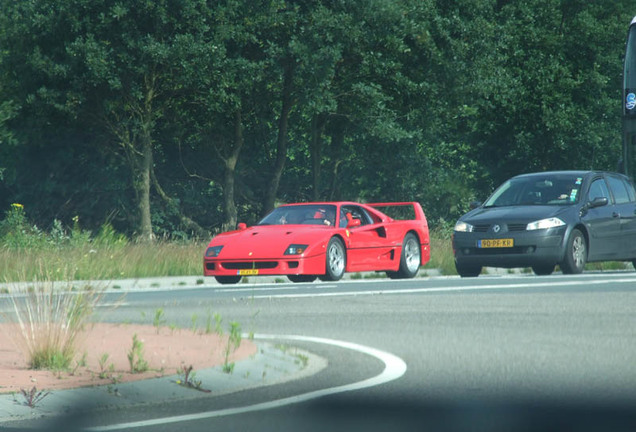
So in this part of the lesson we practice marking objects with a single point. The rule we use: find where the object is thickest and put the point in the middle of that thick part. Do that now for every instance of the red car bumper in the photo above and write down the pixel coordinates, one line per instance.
(293, 265)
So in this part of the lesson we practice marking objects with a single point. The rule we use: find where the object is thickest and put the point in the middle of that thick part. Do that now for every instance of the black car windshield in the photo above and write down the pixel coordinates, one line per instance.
(548, 189)
(305, 214)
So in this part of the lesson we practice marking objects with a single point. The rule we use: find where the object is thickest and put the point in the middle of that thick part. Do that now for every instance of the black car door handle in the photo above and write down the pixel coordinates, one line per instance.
(615, 215)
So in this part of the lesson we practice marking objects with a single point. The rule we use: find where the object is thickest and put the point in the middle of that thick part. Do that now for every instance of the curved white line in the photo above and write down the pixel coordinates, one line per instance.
(394, 368)
(443, 289)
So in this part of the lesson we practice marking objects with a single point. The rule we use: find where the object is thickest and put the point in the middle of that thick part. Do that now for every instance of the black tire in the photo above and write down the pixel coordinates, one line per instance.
(410, 258)
(301, 278)
(543, 269)
(575, 253)
(467, 270)
(336, 260)
(227, 280)
(634, 264)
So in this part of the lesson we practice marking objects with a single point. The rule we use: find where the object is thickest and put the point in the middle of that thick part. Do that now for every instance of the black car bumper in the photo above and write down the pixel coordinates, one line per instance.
(529, 248)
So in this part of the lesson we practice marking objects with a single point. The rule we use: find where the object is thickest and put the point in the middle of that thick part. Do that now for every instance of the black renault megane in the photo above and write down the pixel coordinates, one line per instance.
(542, 220)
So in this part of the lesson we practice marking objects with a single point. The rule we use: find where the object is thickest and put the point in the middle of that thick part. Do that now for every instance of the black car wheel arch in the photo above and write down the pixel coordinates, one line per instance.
(576, 252)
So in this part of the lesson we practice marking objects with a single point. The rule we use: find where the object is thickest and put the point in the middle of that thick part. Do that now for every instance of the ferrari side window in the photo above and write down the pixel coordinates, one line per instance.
(357, 213)
(343, 218)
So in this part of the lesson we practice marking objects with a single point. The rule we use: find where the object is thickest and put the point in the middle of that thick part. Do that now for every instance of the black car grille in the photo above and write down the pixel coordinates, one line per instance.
(502, 251)
(517, 227)
(511, 227)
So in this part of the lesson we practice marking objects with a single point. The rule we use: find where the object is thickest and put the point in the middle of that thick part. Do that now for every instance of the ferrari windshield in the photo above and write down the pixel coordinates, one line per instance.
(548, 189)
(305, 214)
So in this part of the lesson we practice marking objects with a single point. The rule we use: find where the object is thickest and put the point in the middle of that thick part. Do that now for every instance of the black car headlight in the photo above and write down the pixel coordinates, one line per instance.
(213, 251)
(296, 249)
(463, 227)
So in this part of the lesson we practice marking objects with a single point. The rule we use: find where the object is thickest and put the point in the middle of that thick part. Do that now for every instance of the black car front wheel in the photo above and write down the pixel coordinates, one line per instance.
(575, 253)
(467, 270)
(543, 269)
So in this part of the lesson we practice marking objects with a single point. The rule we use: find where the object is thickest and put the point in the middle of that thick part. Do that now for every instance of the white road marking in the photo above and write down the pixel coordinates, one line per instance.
(442, 289)
(394, 368)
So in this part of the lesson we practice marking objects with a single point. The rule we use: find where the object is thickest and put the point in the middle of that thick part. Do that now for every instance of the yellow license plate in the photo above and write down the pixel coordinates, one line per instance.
(249, 272)
(496, 243)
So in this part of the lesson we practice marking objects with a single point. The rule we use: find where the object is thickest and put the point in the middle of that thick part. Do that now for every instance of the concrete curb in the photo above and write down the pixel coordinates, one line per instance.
(270, 365)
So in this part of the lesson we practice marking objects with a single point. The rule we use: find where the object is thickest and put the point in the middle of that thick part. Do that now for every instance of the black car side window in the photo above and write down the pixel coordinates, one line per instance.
(630, 191)
(598, 189)
(618, 190)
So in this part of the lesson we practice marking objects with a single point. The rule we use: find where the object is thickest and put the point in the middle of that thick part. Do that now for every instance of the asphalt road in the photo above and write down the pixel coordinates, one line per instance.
(491, 353)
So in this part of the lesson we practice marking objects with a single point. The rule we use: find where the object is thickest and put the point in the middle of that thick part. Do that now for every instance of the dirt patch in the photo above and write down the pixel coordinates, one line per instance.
(165, 351)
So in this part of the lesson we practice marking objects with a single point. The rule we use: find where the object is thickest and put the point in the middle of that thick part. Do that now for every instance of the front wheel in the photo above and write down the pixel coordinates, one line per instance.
(575, 253)
(543, 269)
(410, 259)
(467, 270)
(336, 261)
(225, 280)
(301, 278)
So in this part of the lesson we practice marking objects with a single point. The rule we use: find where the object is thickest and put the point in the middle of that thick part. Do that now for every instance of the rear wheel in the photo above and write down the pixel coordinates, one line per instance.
(301, 278)
(467, 270)
(336, 261)
(226, 280)
(575, 253)
(410, 259)
(543, 269)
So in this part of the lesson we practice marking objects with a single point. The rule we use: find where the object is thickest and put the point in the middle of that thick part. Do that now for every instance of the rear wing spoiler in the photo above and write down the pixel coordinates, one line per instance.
(414, 208)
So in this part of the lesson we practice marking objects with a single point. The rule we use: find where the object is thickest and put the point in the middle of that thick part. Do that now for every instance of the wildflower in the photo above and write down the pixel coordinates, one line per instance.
(17, 206)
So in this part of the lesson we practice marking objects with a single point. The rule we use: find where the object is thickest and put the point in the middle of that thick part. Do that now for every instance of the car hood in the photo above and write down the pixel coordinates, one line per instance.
(519, 214)
(270, 241)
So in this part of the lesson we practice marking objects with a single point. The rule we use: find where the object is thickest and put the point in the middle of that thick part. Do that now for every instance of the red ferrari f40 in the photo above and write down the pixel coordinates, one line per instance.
(323, 240)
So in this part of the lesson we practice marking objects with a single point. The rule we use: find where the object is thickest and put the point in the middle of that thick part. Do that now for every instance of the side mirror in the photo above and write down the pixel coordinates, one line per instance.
(241, 226)
(354, 223)
(598, 202)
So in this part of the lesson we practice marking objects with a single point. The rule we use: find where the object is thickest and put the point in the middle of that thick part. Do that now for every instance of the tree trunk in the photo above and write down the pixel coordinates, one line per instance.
(337, 142)
(143, 187)
(229, 205)
(187, 223)
(281, 145)
(317, 129)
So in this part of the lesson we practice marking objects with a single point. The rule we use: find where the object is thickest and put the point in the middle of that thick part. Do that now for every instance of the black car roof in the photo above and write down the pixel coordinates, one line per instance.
(581, 173)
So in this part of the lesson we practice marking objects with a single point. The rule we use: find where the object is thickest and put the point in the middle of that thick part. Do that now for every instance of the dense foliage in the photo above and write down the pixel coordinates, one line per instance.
(180, 117)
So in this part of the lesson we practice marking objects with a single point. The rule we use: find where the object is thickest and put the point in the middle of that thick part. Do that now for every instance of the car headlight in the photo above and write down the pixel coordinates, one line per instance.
(545, 224)
(463, 227)
(213, 251)
(296, 249)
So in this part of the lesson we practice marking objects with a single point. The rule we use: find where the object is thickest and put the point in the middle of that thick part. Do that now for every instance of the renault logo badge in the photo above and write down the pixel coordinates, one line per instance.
(496, 228)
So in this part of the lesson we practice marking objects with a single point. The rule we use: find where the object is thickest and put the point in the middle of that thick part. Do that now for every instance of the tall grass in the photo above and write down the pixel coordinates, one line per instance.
(48, 317)
(94, 262)
(442, 257)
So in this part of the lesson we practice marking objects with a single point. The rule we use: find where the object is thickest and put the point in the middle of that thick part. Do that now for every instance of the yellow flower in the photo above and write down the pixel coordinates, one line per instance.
(17, 206)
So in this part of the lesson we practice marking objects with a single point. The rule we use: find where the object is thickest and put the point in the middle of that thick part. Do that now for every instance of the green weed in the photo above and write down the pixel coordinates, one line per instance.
(136, 356)
(33, 397)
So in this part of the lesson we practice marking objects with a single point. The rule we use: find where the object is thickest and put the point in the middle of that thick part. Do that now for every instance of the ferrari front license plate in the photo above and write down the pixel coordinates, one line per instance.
(496, 243)
(249, 272)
